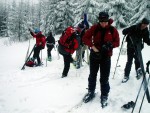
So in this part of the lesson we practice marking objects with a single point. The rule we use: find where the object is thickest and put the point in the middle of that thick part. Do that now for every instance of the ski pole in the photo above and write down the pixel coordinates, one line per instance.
(58, 57)
(147, 70)
(144, 95)
(41, 56)
(119, 55)
(46, 60)
(138, 95)
(27, 51)
(139, 55)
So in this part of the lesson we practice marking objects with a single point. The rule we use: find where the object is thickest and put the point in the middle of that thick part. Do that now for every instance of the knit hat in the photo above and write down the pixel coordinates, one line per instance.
(36, 30)
(103, 17)
(145, 21)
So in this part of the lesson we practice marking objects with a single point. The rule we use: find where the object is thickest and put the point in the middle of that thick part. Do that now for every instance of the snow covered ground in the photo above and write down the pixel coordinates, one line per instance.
(42, 90)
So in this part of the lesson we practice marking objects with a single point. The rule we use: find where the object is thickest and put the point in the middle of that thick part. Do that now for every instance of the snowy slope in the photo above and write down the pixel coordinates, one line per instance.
(42, 90)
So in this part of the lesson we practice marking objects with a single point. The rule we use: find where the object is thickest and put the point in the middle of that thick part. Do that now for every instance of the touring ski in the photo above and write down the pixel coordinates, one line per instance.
(23, 67)
(142, 72)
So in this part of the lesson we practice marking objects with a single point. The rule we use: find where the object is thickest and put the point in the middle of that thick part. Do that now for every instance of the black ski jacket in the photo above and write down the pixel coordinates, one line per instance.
(137, 35)
(50, 40)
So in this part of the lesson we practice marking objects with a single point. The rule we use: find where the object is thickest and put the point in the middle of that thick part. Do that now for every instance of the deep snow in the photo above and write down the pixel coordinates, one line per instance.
(42, 90)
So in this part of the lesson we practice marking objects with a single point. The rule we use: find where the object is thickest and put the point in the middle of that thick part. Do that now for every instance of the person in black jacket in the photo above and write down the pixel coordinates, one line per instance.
(136, 34)
(50, 42)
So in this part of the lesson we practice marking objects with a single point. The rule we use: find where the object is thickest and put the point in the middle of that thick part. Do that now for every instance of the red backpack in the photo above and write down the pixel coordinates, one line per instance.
(68, 41)
(30, 63)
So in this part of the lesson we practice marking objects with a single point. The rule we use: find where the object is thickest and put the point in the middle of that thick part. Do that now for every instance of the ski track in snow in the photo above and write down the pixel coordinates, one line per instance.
(42, 90)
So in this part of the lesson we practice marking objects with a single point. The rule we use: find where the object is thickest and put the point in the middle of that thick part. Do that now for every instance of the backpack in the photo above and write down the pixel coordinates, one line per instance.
(66, 40)
(30, 63)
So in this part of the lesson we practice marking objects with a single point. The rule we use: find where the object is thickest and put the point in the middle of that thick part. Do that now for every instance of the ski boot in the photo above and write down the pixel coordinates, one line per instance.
(63, 75)
(139, 73)
(104, 101)
(125, 79)
(39, 64)
(32, 59)
(128, 105)
(49, 58)
(77, 66)
(88, 97)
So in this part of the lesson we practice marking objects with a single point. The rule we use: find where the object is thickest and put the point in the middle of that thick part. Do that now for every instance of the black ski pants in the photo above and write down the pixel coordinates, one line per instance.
(104, 65)
(67, 60)
(49, 49)
(130, 55)
(37, 53)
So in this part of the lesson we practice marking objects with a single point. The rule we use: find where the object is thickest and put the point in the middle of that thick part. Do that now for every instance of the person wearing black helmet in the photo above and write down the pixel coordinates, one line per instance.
(101, 38)
(136, 34)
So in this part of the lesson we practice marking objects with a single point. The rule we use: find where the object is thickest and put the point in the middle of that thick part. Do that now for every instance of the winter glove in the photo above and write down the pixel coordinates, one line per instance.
(108, 46)
(30, 30)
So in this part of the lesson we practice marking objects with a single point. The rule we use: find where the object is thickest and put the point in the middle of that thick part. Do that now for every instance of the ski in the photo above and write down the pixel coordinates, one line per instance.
(79, 105)
(23, 67)
(140, 58)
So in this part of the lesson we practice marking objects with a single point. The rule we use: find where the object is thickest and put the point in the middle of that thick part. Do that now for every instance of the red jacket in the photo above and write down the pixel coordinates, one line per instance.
(90, 40)
(70, 49)
(40, 39)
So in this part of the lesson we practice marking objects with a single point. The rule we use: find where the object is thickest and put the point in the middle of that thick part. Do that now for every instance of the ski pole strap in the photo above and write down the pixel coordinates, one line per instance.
(147, 66)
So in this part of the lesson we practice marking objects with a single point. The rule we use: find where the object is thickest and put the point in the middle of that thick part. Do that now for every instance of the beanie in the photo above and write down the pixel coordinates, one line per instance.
(37, 30)
(103, 17)
(145, 21)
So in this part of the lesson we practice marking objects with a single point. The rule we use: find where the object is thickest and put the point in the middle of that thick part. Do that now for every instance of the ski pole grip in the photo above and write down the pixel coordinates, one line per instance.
(147, 66)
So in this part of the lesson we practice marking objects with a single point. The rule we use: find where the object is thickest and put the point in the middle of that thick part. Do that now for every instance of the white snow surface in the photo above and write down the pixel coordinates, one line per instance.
(42, 90)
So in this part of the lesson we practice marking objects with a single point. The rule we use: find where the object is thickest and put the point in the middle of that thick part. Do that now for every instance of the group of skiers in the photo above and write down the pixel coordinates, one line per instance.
(100, 38)
(41, 41)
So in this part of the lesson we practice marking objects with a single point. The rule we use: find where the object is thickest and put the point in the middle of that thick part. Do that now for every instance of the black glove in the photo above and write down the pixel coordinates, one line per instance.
(29, 29)
(108, 46)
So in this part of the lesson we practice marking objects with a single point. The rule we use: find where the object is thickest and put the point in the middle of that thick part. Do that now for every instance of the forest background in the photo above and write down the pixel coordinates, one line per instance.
(16, 16)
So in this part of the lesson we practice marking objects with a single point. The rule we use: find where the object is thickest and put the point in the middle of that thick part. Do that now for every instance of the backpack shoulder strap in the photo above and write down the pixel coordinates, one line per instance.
(96, 31)
(111, 29)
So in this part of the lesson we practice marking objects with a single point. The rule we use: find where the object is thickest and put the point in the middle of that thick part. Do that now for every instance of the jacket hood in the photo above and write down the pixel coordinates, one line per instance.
(110, 21)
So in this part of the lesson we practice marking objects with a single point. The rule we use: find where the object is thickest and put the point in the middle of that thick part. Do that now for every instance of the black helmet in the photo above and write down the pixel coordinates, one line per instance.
(103, 17)
(145, 21)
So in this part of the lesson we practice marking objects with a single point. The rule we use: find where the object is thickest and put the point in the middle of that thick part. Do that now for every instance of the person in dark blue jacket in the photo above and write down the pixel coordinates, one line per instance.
(81, 29)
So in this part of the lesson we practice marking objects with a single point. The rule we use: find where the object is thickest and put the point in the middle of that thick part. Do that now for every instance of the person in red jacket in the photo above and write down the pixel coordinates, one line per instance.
(68, 43)
(40, 44)
(101, 38)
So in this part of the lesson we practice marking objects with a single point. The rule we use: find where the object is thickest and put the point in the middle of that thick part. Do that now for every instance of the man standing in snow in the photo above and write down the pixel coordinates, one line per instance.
(135, 34)
(101, 38)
